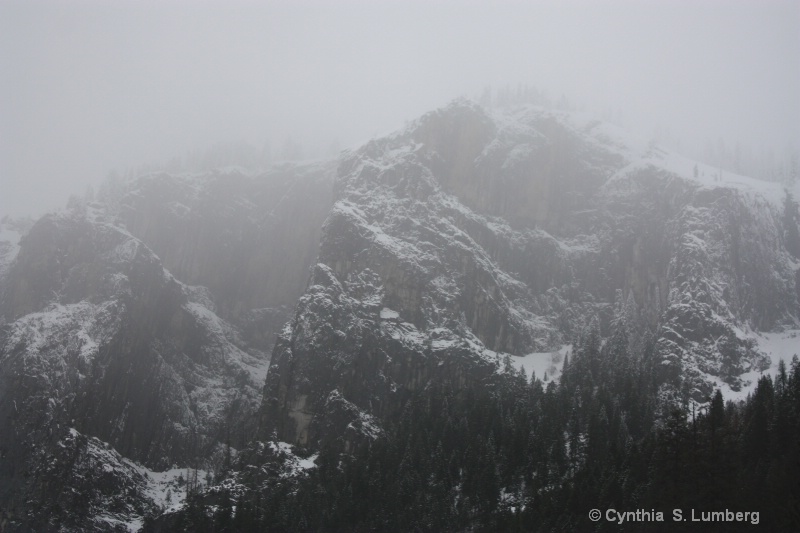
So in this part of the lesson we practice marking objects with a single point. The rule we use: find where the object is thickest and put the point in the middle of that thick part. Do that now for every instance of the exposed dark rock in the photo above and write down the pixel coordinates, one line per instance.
(509, 234)
(139, 330)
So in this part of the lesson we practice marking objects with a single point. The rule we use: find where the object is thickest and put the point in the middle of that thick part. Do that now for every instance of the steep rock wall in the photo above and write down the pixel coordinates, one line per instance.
(510, 234)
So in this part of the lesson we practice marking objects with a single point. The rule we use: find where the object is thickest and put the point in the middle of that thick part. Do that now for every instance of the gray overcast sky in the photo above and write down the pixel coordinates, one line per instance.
(90, 86)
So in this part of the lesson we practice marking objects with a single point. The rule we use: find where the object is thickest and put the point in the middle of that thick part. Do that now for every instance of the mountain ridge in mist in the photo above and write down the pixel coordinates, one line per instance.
(443, 256)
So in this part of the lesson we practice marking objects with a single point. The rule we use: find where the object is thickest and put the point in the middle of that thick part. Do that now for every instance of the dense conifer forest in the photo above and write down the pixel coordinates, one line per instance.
(526, 454)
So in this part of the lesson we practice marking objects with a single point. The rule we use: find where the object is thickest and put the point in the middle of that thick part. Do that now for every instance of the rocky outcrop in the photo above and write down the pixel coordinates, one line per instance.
(135, 333)
(82, 484)
(345, 363)
(144, 322)
(493, 235)
(249, 239)
(101, 338)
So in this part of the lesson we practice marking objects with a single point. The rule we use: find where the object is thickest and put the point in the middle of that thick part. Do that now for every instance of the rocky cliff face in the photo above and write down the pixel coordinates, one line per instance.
(248, 240)
(135, 333)
(468, 236)
(102, 346)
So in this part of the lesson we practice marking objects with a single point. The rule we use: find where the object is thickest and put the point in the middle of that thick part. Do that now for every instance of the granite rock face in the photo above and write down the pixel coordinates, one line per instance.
(100, 339)
(185, 317)
(468, 236)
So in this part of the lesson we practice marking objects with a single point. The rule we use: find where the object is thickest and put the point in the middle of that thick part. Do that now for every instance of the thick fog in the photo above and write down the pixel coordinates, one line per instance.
(86, 87)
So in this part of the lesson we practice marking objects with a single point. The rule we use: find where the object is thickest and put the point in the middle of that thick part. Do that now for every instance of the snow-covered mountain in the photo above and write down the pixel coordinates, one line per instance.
(137, 330)
(469, 236)
(100, 340)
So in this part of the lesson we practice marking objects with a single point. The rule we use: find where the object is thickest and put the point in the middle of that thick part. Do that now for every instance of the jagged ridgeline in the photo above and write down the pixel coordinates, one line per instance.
(140, 326)
(483, 321)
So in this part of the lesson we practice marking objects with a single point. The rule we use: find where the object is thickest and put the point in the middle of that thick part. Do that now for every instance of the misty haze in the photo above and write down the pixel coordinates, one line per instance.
(399, 266)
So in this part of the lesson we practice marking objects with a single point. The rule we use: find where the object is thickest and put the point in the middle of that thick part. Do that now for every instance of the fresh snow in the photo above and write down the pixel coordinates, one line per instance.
(406, 333)
(388, 314)
(778, 346)
(88, 325)
(550, 363)
(712, 177)
(165, 490)
(293, 465)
